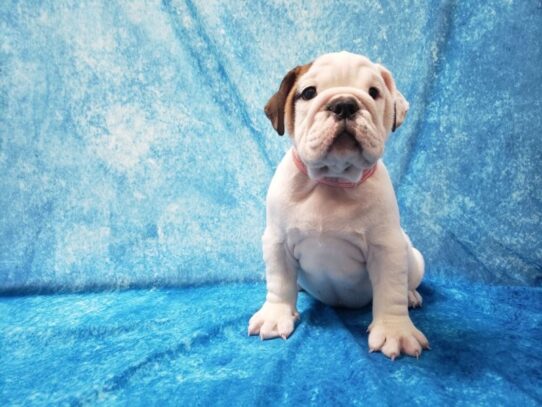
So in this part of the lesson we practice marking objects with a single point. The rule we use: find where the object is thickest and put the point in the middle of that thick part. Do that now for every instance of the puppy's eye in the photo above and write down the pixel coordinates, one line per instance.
(308, 93)
(374, 92)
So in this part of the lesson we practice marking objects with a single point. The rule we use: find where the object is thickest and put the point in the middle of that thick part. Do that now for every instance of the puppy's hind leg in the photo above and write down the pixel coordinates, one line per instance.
(416, 271)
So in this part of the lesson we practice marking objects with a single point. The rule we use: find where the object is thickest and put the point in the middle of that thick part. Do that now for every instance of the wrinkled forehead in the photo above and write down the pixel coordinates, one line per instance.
(340, 69)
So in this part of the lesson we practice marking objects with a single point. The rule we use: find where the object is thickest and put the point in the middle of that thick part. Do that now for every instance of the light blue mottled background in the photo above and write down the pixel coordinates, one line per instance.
(134, 149)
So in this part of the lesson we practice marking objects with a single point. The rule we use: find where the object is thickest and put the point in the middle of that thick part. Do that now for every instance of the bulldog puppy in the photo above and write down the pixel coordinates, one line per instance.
(333, 224)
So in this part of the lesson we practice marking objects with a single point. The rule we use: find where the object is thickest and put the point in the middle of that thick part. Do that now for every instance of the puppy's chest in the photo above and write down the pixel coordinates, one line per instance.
(318, 227)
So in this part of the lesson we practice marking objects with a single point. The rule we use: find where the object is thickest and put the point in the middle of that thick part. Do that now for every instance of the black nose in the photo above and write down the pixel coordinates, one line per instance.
(344, 108)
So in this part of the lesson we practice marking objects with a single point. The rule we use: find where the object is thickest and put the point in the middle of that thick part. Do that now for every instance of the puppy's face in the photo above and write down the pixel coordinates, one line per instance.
(338, 111)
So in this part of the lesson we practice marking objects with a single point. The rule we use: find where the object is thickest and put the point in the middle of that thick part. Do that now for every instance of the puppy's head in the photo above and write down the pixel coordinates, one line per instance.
(338, 110)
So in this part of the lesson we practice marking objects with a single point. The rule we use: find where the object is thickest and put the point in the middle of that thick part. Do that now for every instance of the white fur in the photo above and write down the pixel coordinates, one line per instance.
(345, 246)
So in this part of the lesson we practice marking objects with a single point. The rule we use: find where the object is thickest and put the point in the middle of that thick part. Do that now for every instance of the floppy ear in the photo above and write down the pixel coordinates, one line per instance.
(274, 109)
(400, 104)
(401, 109)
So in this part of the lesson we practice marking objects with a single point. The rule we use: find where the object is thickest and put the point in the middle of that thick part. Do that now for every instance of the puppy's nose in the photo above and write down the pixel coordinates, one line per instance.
(344, 108)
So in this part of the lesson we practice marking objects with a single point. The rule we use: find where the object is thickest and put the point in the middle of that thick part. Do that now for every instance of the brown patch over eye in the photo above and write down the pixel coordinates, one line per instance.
(293, 96)
(374, 92)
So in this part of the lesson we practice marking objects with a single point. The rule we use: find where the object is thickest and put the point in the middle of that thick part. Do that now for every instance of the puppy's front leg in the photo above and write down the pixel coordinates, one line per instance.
(278, 314)
(391, 331)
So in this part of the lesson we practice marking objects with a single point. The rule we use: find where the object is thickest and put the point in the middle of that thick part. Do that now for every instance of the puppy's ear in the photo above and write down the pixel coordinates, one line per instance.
(401, 109)
(400, 104)
(274, 109)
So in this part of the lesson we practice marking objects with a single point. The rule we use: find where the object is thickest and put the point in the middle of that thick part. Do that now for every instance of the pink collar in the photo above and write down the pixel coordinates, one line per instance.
(330, 181)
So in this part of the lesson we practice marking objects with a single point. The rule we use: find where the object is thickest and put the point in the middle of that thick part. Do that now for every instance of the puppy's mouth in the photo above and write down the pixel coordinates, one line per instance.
(338, 149)
(341, 161)
(345, 142)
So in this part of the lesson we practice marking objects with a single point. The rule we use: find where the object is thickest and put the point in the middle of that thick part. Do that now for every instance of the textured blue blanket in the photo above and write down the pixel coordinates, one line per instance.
(134, 153)
(190, 347)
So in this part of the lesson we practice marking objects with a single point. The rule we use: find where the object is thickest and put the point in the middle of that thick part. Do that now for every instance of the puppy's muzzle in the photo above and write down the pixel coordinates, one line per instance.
(343, 107)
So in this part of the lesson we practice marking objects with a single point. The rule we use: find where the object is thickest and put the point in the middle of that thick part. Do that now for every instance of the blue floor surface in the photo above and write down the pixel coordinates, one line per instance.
(189, 347)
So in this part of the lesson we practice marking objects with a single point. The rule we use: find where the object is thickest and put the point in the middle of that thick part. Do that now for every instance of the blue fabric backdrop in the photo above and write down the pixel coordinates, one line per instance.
(134, 149)
(134, 152)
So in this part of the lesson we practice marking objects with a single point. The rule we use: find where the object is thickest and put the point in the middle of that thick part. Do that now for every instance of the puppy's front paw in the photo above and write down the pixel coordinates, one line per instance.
(273, 320)
(395, 335)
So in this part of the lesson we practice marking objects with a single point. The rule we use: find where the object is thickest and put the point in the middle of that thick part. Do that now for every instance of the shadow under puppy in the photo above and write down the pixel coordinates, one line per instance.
(333, 224)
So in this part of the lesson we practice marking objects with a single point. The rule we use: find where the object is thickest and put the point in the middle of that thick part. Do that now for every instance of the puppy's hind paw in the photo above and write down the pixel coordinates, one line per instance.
(415, 300)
